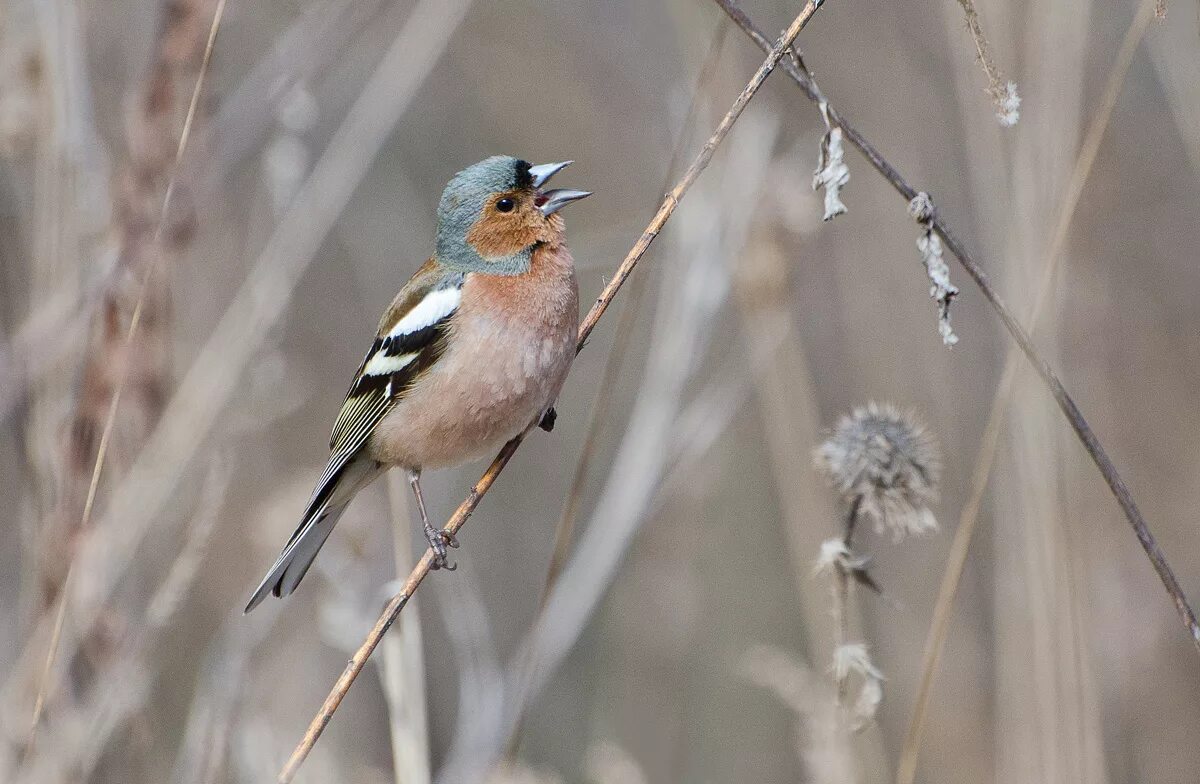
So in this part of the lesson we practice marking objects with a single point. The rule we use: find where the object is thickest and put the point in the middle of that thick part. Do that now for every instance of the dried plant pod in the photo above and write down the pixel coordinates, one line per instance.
(941, 290)
(887, 462)
(832, 173)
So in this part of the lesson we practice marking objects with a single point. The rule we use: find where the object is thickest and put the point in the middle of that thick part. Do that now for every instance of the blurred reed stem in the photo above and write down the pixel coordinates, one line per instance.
(565, 529)
(403, 669)
(969, 515)
(139, 500)
(126, 351)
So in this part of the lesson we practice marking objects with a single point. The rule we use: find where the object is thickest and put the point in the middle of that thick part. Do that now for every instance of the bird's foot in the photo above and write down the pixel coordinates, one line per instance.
(548, 419)
(438, 542)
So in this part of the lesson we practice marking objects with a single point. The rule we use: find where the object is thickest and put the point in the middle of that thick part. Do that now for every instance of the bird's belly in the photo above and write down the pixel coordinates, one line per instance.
(492, 384)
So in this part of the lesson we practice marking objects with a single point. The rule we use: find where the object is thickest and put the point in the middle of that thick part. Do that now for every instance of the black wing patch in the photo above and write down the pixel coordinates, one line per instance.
(398, 361)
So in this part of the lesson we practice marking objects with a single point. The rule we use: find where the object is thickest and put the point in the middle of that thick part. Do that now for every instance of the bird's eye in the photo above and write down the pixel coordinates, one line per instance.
(505, 205)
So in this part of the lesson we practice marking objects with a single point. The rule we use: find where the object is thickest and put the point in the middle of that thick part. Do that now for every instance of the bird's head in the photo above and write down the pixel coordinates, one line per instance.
(494, 213)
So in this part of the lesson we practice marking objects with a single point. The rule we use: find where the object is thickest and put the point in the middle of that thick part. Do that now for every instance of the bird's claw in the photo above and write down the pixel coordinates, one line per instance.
(438, 542)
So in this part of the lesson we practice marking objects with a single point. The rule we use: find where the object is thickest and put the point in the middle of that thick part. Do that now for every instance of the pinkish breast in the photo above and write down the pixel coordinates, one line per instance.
(511, 347)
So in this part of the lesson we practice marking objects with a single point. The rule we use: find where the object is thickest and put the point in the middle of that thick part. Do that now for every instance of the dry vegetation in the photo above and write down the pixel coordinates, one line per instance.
(682, 633)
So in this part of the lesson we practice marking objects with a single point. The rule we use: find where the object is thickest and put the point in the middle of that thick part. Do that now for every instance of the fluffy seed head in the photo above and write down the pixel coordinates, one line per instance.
(889, 463)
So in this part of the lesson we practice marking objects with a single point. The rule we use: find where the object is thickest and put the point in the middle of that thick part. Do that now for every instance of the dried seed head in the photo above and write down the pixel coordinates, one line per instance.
(1008, 105)
(888, 463)
(853, 659)
(834, 555)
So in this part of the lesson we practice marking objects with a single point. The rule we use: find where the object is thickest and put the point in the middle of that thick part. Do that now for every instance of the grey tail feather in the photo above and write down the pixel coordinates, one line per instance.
(294, 561)
(326, 507)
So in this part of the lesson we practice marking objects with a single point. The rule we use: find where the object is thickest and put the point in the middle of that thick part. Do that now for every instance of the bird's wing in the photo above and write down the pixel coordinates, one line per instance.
(411, 338)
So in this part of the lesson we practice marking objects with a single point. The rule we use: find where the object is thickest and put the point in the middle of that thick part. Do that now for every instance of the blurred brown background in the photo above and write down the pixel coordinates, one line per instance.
(322, 142)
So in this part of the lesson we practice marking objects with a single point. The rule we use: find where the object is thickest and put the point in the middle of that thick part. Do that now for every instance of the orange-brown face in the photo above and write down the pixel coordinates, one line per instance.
(493, 214)
(511, 221)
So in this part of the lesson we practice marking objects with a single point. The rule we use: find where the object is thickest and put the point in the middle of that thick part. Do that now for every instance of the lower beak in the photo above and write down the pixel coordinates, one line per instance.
(551, 202)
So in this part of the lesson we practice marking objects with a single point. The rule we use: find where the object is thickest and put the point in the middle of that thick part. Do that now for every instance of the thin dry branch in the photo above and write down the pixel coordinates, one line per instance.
(1065, 402)
(906, 768)
(459, 518)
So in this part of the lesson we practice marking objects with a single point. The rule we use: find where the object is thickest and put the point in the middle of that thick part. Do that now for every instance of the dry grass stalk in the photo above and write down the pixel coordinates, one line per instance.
(78, 736)
(69, 208)
(235, 341)
(481, 703)
(246, 117)
(390, 613)
(821, 740)
(403, 667)
(113, 350)
(138, 501)
(458, 519)
(126, 354)
(1002, 92)
(789, 415)
(969, 515)
(1050, 380)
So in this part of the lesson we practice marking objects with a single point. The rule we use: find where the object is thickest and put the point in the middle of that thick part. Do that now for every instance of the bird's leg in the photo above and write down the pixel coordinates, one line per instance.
(438, 540)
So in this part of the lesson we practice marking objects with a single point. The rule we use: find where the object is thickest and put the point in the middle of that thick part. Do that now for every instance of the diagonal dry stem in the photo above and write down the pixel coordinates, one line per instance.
(114, 404)
(459, 518)
(1066, 403)
(968, 517)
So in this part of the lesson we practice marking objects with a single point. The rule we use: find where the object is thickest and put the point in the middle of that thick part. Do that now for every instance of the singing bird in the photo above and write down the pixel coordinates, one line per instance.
(471, 353)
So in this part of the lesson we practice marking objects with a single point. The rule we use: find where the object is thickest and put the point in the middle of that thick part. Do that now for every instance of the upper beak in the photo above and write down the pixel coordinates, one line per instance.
(551, 202)
(542, 174)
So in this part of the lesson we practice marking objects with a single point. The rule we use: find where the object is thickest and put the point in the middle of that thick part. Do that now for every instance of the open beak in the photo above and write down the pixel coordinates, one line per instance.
(552, 201)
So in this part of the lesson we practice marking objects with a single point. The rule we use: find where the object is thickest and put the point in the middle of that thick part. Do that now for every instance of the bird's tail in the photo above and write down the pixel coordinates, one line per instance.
(341, 481)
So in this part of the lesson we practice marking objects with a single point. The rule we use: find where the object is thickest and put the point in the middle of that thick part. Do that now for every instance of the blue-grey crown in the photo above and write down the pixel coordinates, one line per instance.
(461, 204)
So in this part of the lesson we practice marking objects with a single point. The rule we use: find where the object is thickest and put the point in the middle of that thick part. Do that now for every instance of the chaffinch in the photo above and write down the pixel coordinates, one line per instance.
(471, 353)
